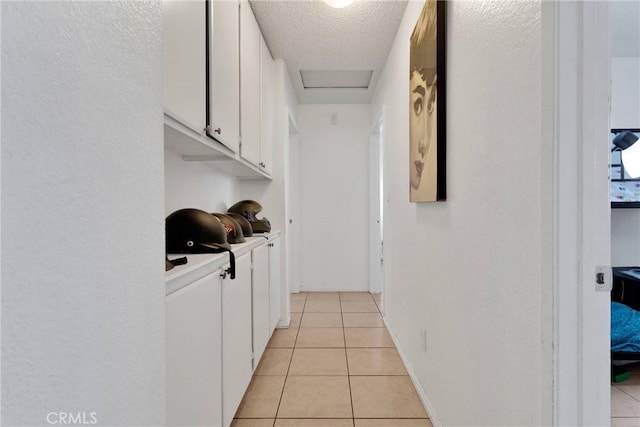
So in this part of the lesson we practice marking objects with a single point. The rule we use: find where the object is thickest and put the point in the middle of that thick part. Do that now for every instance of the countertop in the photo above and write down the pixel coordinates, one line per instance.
(199, 265)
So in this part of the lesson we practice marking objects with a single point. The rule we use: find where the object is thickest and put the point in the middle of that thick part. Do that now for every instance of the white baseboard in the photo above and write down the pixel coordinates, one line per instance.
(433, 417)
(284, 324)
(303, 289)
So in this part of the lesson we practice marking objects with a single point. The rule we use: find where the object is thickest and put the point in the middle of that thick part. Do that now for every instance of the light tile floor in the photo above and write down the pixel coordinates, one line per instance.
(335, 366)
(625, 400)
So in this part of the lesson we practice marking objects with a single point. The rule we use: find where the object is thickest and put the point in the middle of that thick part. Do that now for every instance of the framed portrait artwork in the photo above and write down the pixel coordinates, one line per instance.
(427, 113)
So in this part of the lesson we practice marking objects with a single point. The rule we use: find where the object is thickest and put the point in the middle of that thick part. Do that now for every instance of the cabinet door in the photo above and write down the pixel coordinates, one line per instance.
(236, 337)
(224, 74)
(261, 299)
(249, 84)
(266, 122)
(194, 358)
(184, 37)
(275, 294)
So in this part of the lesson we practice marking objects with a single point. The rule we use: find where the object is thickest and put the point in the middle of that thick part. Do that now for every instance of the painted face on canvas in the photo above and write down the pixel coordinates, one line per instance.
(422, 124)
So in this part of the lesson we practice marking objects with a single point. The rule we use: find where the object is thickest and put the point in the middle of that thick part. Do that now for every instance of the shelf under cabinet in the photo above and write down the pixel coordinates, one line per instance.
(192, 145)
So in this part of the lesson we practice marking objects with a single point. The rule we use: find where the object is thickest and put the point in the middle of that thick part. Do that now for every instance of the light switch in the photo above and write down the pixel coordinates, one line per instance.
(603, 278)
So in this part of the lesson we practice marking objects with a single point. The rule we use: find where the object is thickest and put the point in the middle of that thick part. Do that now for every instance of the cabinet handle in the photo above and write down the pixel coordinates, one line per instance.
(225, 272)
(261, 164)
(216, 130)
(270, 245)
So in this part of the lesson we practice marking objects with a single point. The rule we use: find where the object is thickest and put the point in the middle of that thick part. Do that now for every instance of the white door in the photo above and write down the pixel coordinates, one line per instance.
(236, 337)
(194, 357)
(376, 211)
(249, 85)
(184, 37)
(278, 309)
(261, 298)
(293, 208)
(266, 100)
(224, 74)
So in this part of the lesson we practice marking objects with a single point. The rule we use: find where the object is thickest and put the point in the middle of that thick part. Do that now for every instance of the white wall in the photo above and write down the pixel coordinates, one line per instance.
(82, 213)
(195, 185)
(625, 113)
(625, 93)
(625, 237)
(334, 196)
(468, 270)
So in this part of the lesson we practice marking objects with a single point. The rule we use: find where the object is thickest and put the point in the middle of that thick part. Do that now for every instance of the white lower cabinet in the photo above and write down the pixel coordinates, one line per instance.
(275, 308)
(261, 329)
(194, 357)
(217, 330)
(237, 365)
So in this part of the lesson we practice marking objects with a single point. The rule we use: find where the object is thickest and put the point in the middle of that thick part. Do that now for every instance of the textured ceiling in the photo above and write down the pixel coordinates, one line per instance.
(310, 35)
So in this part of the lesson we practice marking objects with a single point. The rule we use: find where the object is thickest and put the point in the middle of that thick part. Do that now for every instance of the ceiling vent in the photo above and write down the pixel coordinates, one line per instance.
(336, 79)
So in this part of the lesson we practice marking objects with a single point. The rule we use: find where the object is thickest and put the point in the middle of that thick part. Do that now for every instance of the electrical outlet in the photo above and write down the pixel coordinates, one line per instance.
(604, 278)
(423, 339)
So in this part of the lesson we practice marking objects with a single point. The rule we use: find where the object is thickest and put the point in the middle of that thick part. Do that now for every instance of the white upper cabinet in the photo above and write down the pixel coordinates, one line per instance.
(218, 86)
(256, 93)
(266, 90)
(224, 74)
(249, 84)
(184, 37)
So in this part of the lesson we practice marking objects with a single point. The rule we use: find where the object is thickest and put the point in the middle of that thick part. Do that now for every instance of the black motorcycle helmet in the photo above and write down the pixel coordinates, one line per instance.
(249, 209)
(232, 228)
(244, 224)
(193, 231)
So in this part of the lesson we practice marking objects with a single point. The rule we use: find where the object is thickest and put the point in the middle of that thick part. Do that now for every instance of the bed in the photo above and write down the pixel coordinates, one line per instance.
(625, 314)
(625, 332)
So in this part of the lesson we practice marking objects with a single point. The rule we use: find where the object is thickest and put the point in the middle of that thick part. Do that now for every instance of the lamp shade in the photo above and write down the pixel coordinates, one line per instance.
(626, 141)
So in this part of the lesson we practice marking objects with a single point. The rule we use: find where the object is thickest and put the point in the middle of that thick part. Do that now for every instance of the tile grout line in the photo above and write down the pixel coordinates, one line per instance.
(344, 338)
(619, 389)
(633, 397)
(286, 375)
(343, 328)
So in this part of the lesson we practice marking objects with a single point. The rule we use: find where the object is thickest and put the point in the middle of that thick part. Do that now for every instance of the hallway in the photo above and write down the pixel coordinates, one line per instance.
(336, 365)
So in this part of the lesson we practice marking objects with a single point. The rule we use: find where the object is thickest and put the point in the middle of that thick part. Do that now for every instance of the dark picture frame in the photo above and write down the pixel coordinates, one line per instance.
(427, 105)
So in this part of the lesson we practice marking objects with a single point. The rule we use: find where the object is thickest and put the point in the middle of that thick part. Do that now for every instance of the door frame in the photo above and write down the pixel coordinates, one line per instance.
(576, 86)
(376, 211)
(292, 205)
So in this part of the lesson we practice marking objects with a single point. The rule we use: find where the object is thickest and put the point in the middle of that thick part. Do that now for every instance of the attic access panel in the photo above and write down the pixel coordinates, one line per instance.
(336, 79)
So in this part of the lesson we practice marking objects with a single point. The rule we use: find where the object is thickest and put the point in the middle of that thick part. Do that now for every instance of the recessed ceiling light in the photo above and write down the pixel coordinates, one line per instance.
(338, 4)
